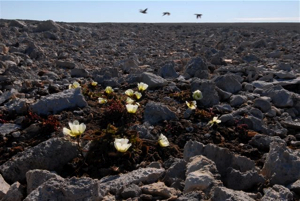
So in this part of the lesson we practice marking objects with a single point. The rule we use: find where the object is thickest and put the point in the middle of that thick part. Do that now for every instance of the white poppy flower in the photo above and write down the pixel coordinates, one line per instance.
(102, 100)
(109, 90)
(197, 95)
(122, 144)
(129, 92)
(76, 129)
(215, 120)
(131, 108)
(138, 95)
(74, 85)
(94, 83)
(163, 141)
(129, 100)
(142, 86)
(192, 104)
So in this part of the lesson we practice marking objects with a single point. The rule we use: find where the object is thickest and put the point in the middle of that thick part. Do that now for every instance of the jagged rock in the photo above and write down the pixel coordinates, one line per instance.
(280, 97)
(50, 155)
(200, 180)
(207, 87)
(68, 189)
(285, 75)
(224, 95)
(144, 131)
(176, 172)
(16, 192)
(223, 108)
(168, 71)
(64, 100)
(34, 51)
(160, 189)
(229, 82)
(223, 158)
(48, 25)
(191, 196)
(277, 192)
(252, 123)
(291, 124)
(17, 23)
(281, 165)
(295, 187)
(79, 72)
(259, 43)
(197, 68)
(65, 64)
(250, 58)
(156, 112)
(263, 141)
(131, 191)
(115, 184)
(246, 180)
(35, 178)
(18, 106)
(4, 187)
(130, 64)
(274, 54)
(7, 95)
(8, 128)
(153, 81)
(263, 103)
(237, 100)
(200, 162)
(223, 193)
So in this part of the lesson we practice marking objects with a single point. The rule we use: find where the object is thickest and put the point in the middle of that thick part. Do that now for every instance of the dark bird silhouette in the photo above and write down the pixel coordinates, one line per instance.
(166, 13)
(144, 11)
(198, 15)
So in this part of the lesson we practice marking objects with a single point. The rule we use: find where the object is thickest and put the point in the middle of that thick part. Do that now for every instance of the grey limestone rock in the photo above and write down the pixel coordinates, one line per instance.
(115, 184)
(37, 177)
(57, 102)
(223, 193)
(68, 189)
(237, 100)
(47, 26)
(242, 180)
(280, 97)
(156, 112)
(282, 164)
(168, 71)
(229, 82)
(4, 187)
(176, 172)
(263, 103)
(8, 128)
(50, 155)
(160, 189)
(263, 141)
(207, 87)
(65, 64)
(131, 191)
(79, 72)
(277, 192)
(197, 68)
(16, 192)
(222, 157)
(153, 81)
(295, 186)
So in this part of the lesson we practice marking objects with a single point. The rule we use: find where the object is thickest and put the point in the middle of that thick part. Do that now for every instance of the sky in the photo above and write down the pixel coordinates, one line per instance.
(128, 11)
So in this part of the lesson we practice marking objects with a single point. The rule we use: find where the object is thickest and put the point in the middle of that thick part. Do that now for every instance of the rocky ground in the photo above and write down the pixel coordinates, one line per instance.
(249, 75)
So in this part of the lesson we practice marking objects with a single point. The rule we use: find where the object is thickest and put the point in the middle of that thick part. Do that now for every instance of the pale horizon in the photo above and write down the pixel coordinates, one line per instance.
(128, 11)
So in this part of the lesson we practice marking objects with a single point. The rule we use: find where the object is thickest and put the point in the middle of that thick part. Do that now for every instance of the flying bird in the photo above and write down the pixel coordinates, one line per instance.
(144, 11)
(198, 15)
(166, 13)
